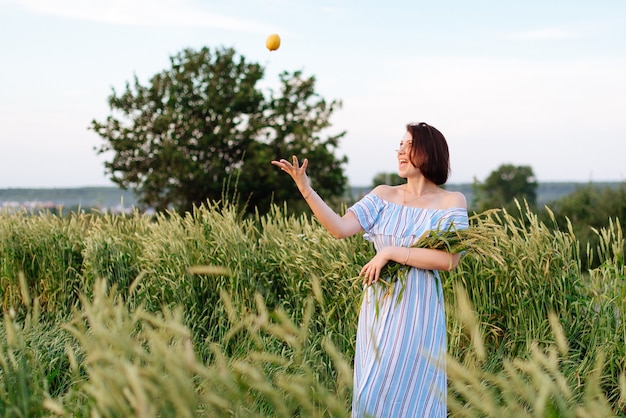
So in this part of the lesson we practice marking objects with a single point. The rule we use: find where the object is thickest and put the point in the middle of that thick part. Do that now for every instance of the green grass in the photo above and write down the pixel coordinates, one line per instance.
(116, 316)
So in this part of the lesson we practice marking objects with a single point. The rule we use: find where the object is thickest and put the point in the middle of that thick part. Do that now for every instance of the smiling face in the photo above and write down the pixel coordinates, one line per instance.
(405, 167)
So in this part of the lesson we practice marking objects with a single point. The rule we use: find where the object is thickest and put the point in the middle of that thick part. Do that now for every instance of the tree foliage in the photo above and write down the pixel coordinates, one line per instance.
(503, 186)
(589, 207)
(296, 117)
(592, 205)
(204, 123)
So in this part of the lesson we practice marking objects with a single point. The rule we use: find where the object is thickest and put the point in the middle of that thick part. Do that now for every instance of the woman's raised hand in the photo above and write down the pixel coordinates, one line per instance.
(339, 226)
(296, 171)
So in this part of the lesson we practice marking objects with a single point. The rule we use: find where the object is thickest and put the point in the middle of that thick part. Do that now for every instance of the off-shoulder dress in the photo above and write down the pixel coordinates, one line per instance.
(399, 368)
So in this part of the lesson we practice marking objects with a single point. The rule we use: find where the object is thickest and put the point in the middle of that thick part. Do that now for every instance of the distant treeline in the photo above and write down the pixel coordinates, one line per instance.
(109, 197)
(85, 197)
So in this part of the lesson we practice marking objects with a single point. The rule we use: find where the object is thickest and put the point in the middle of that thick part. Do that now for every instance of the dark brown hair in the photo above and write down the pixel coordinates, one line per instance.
(429, 152)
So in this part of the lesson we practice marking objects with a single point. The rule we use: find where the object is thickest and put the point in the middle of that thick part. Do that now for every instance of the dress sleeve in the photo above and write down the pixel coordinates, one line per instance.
(454, 219)
(367, 210)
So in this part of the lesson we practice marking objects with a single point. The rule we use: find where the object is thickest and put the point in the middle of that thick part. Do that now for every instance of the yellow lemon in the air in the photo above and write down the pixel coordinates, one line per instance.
(272, 42)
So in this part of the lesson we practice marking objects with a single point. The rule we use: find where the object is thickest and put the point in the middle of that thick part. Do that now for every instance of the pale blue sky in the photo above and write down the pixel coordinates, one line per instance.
(534, 82)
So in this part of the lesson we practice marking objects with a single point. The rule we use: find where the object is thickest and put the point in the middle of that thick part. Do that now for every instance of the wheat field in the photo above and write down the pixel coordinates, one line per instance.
(217, 314)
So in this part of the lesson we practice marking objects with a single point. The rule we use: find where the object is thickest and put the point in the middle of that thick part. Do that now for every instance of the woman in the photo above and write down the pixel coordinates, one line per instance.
(399, 368)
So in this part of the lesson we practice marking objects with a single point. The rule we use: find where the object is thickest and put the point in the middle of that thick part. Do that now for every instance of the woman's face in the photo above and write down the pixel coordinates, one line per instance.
(405, 166)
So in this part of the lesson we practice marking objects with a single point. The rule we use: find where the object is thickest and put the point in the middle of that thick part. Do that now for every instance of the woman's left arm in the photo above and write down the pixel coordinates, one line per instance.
(423, 258)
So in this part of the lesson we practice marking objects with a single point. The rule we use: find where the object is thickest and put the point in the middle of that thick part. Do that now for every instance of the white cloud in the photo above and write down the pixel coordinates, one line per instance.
(335, 11)
(546, 34)
(143, 12)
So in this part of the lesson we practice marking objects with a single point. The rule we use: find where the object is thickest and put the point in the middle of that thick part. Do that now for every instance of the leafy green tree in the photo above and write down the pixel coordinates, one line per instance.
(392, 179)
(588, 207)
(592, 205)
(295, 118)
(503, 186)
(203, 124)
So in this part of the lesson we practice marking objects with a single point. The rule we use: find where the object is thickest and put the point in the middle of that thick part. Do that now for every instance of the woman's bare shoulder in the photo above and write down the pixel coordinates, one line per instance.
(454, 200)
(386, 192)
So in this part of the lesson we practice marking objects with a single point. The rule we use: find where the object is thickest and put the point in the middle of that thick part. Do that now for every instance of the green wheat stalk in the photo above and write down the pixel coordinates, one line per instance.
(479, 240)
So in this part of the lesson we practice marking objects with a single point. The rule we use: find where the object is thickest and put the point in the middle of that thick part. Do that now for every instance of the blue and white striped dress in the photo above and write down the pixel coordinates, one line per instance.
(399, 366)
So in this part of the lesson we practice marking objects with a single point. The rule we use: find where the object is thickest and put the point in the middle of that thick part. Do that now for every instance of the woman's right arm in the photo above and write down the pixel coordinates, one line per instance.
(338, 226)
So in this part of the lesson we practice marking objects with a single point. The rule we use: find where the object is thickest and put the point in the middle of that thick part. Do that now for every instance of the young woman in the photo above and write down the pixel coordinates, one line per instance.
(399, 368)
